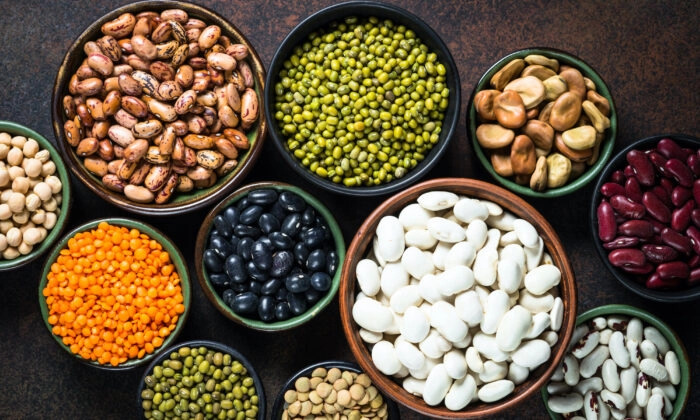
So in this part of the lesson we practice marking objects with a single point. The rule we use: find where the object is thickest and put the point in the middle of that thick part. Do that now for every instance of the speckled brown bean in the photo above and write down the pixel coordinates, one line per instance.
(100, 129)
(94, 107)
(84, 114)
(238, 138)
(72, 132)
(509, 109)
(184, 184)
(565, 111)
(196, 124)
(68, 107)
(120, 135)
(154, 156)
(156, 177)
(143, 47)
(522, 155)
(140, 173)
(106, 150)
(125, 119)
(128, 85)
(126, 169)
(209, 36)
(134, 106)
(209, 159)
(162, 71)
(167, 142)
(138, 194)
(161, 33)
(226, 147)
(120, 27)
(100, 63)
(87, 146)
(164, 195)
(137, 62)
(89, 87)
(148, 82)
(247, 73)
(111, 84)
(95, 165)
(113, 183)
(112, 103)
(142, 26)
(199, 173)
(169, 90)
(249, 108)
(136, 150)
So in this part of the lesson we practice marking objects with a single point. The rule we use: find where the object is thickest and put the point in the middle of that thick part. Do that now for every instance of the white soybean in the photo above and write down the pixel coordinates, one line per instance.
(655, 336)
(414, 386)
(455, 364)
(509, 274)
(409, 355)
(444, 318)
(394, 276)
(493, 371)
(436, 385)
(485, 266)
(542, 278)
(385, 358)
(437, 200)
(540, 322)
(533, 255)
(517, 374)
(405, 297)
(513, 327)
(557, 314)
(487, 345)
(372, 315)
(455, 279)
(590, 364)
(415, 326)
(461, 393)
(654, 369)
(611, 377)
(368, 277)
(420, 238)
(445, 230)
(628, 383)
(414, 216)
(566, 403)
(673, 367)
(416, 262)
(495, 391)
(370, 337)
(527, 234)
(496, 306)
(532, 354)
(476, 233)
(461, 253)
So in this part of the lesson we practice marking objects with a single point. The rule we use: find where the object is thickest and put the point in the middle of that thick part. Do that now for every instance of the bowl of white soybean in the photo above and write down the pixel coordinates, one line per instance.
(457, 298)
(623, 362)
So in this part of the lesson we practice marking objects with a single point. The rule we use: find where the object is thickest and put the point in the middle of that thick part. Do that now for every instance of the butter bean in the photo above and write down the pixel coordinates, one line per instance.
(507, 73)
(565, 111)
(493, 136)
(558, 170)
(580, 138)
(522, 155)
(484, 103)
(554, 87)
(574, 81)
(551, 63)
(599, 121)
(530, 88)
(539, 71)
(501, 164)
(509, 109)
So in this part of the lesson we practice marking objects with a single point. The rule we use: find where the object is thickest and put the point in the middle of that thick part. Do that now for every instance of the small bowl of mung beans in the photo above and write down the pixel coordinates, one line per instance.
(363, 98)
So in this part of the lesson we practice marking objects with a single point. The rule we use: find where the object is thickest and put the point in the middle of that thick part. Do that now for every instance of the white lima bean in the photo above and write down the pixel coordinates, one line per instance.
(457, 299)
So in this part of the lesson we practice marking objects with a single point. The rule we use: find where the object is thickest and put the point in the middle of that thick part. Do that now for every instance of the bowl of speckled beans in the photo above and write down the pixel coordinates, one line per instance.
(363, 98)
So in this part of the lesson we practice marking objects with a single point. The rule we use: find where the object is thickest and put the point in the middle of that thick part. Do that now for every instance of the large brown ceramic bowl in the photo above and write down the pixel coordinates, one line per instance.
(362, 243)
(181, 202)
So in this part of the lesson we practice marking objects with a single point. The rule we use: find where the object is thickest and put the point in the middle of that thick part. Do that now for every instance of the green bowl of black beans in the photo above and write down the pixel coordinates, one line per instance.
(201, 379)
(363, 98)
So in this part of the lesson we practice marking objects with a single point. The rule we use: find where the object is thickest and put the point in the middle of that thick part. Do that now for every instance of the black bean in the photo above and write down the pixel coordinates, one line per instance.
(301, 253)
(297, 303)
(221, 246)
(332, 262)
(256, 273)
(313, 237)
(254, 287)
(222, 226)
(219, 279)
(281, 294)
(268, 223)
(245, 303)
(261, 253)
(234, 243)
(271, 286)
(291, 225)
(308, 217)
(228, 296)
(291, 201)
(282, 311)
(212, 261)
(320, 281)
(244, 248)
(281, 241)
(297, 283)
(282, 263)
(279, 211)
(245, 230)
(263, 196)
(312, 296)
(235, 268)
(243, 203)
(250, 215)
(316, 260)
(231, 215)
(239, 287)
(266, 308)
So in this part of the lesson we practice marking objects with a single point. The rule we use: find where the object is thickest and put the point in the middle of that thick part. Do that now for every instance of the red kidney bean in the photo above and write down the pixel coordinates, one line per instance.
(680, 195)
(627, 257)
(695, 217)
(621, 242)
(644, 269)
(638, 228)
(656, 282)
(673, 270)
(694, 277)
(607, 226)
(658, 226)
(696, 191)
(668, 185)
(657, 160)
(656, 208)
(694, 261)
(643, 168)
(628, 171)
(680, 172)
(693, 163)
(633, 190)
(677, 241)
(662, 194)
(612, 188)
(680, 219)
(694, 235)
(658, 254)
(670, 149)
(627, 207)
(618, 177)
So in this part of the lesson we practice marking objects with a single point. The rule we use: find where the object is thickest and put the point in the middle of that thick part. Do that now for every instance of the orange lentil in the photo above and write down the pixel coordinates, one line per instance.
(113, 295)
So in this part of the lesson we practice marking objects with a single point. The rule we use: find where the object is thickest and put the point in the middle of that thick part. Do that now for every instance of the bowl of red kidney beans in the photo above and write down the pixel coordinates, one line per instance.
(645, 217)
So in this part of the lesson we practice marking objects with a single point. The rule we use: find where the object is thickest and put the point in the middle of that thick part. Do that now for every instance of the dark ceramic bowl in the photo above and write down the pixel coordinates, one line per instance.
(683, 389)
(181, 202)
(278, 407)
(212, 345)
(214, 296)
(176, 259)
(362, 243)
(365, 8)
(606, 147)
(15, 129)
(632, 282)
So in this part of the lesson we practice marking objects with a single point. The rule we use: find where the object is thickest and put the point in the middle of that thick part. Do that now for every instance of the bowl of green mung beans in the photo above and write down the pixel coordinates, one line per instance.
(363, 98)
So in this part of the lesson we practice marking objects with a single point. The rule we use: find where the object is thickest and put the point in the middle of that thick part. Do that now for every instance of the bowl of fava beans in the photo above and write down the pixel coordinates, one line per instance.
(363, 98)
(645, 217)
(157, 107)
(114, 293)
(35, 195)
(268, 256)
(201, 379)
(542, 122)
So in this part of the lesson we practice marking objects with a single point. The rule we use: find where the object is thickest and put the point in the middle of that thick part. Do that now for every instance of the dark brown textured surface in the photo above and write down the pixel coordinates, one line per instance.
(646, 51)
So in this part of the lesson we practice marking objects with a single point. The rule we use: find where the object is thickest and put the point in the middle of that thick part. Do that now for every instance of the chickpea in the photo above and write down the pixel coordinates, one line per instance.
(5, 195)
(48, 168)
(43, 156)
(15, 156)
(31, 148)
(16, 172)
(5, 139)
(50, 205)
(54, 183)
(4, 177)
(14, 237)
(31, 236)
(32, 167)
(38, 217)
(20, 184)
(10, 253)
(5, 226)
(19, 141)
(3, 242)
(5, 212)
(24, 248)
(21, 217)
(16, 202)
(4, 150)
(50, 221)
(43, 190)
(32, 202)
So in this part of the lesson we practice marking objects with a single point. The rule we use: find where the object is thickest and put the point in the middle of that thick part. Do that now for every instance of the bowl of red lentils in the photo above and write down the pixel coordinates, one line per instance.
(114, 293)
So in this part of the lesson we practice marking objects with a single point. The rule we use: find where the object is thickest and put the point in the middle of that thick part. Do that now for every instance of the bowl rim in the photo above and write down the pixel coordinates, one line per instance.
(212, 345)
(605, 150)
(670, 335)
(321, 19)
(520, 209)
(278, 405)
(669, 296)
(66, 195)
(217, 301)
(199, 198)
(177, 259)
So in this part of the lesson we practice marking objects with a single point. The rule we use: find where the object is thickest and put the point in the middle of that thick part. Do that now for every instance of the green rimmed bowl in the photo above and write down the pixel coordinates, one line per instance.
(181, 202)
(19, 130)
(683, 389)
(176, 259)
(606, 147)
(213, 294)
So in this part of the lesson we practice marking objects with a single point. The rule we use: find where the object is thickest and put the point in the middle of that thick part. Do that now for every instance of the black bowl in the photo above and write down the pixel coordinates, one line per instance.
(619, 162)
(426, 34)
(278, 406)
(260, 391)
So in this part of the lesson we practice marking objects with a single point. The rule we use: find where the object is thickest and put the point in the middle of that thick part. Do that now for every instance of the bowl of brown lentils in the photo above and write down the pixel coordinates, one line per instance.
(157, 107)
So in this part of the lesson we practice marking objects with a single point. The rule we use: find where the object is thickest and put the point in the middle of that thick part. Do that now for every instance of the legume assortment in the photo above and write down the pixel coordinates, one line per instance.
(113, 295)
(30, 195)
(361, 102)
